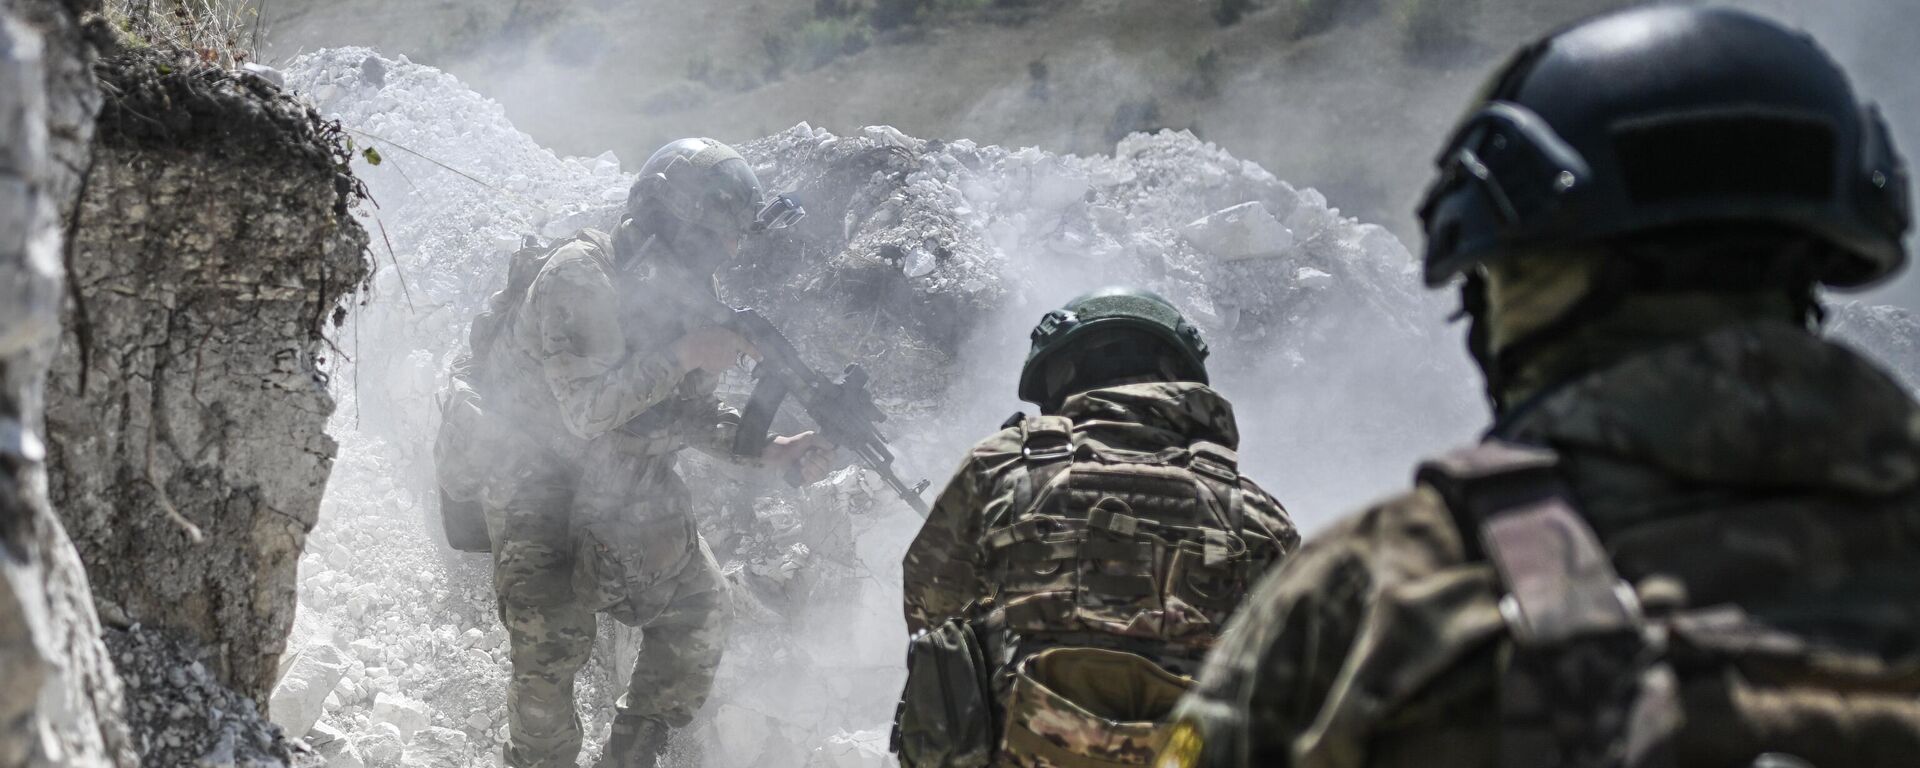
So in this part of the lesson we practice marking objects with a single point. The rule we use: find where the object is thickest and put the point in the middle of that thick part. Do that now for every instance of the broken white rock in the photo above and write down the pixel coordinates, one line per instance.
(404, 714)
(1244, 231)
(341, 754)
(324, 734)
(438, 748)
(1311, 278)
(855, 749)
(368, 649)
(382, 746)
(300, 698)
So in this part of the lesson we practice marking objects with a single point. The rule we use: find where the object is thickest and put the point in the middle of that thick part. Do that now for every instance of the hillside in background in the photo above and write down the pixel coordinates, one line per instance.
(1351, 97)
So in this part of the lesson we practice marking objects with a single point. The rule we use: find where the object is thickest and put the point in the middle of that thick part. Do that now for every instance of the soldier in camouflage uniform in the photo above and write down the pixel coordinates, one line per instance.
(1100, 546)
(1692, 537)
(595, 368)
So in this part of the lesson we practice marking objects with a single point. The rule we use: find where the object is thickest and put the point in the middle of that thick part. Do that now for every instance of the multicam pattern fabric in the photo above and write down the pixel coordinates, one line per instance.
(1758, 486)
(1108, 536)
(1087, 708)
(585, 409)
(946, 569)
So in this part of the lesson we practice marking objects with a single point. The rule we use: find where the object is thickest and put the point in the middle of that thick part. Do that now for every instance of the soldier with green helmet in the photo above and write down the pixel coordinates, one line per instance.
(1079, 564)
(587, 375)
(1692, 535)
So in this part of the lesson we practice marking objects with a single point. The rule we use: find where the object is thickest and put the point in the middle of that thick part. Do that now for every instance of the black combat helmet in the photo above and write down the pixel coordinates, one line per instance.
(1163, 331)
(1667, 117)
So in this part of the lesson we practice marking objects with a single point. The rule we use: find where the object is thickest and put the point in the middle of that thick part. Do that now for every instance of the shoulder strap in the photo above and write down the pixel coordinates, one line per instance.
(522, 267)
(1217, 467)
(1046, 438)
(1586, 686)
(1046, 447)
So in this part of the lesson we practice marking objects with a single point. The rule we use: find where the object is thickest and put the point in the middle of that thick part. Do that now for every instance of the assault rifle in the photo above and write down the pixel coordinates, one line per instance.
(843, 410)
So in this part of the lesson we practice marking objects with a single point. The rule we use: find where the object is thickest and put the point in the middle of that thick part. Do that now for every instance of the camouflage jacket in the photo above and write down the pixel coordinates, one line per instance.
(587, 355)
(1759, 468)
(950, 566)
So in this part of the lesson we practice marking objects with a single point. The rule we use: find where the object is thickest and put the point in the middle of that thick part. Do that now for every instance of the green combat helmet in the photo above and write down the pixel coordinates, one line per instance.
(710, 191)
(1086, 330)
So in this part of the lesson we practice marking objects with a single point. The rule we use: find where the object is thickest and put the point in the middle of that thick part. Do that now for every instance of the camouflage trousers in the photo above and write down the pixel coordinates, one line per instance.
(1086, 708)
(552, 632)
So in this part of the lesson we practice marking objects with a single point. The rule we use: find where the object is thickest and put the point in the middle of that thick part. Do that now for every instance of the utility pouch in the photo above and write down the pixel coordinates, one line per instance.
(460, 467)
(946, 717)
(618, 565)
(1089, 708)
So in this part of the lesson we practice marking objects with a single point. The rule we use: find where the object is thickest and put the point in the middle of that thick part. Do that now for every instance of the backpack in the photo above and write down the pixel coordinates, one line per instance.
(1107, 562)
(1107, 543)
(1589, 680)
(461, 456)
(948, 717)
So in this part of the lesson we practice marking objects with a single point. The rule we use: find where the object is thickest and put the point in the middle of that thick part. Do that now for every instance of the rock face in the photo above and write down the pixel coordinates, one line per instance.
(72, 96)
(186, 410)
(181, 714)
(60, 701)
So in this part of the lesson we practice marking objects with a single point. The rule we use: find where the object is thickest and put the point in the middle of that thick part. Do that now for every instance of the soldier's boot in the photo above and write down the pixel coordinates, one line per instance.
(636, 742)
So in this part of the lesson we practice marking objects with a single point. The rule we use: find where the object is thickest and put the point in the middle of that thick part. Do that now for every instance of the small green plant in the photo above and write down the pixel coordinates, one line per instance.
(222, 32)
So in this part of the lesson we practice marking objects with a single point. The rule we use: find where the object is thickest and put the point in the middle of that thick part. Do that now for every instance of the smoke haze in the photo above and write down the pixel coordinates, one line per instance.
(1343, 371)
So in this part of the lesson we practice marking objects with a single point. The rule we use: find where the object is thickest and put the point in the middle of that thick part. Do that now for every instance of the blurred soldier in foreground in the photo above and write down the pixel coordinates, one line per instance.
(587, 376)
(1692, 535)
(1081, 562)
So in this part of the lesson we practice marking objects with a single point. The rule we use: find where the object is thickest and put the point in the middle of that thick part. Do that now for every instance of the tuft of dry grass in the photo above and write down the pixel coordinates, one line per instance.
(218, 32)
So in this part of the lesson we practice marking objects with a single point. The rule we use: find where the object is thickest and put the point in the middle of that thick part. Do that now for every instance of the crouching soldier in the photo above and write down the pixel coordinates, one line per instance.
(1080, 563)
(588, 375)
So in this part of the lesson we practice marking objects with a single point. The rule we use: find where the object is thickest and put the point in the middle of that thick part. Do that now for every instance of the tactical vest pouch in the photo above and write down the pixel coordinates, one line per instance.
(1209, 577)
(460, 466)
(620, 565)
(946, 717)
(460, 448)
(1072, 707)
(1142, 545)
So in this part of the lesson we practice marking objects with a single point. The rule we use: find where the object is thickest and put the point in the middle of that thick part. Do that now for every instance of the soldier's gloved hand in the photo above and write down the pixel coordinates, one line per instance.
(802, 458)
(713, 348)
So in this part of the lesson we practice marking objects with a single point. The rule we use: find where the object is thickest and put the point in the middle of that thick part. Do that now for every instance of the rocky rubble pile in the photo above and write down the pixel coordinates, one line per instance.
(397, 657)
(925, 261)
(920, 259)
